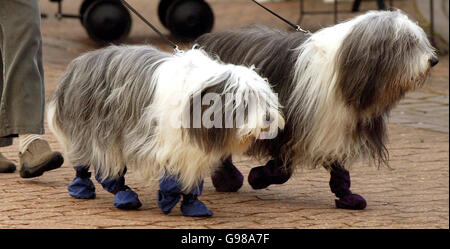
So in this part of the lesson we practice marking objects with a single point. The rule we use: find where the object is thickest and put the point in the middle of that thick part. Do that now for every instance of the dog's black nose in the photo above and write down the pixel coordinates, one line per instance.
(434, 60)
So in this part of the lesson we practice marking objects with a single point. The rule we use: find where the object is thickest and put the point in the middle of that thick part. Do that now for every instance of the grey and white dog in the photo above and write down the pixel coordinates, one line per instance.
(136, 106)
(337, 87)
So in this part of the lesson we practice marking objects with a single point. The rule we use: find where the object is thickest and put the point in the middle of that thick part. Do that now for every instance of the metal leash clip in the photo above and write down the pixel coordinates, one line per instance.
(298, 28)
(177, 50)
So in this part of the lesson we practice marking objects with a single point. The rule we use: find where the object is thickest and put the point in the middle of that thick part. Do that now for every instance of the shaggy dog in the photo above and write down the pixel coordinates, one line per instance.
(337, 87)
(139, 107)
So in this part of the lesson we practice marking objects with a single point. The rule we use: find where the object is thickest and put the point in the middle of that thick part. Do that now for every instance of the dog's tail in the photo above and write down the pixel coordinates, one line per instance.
(54, 125)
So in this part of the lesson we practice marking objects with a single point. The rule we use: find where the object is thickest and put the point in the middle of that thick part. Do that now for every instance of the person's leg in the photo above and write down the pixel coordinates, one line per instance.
(6, 165)
(124, 197)
(340, 185)
(23, 95)
(227, 178)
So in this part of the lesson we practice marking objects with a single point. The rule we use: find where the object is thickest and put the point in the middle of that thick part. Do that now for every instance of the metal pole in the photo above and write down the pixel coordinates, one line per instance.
(335, 11)
(432, 22)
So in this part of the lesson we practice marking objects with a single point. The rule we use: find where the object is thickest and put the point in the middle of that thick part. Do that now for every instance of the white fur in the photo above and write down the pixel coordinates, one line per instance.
(162, 149)
(316, 74)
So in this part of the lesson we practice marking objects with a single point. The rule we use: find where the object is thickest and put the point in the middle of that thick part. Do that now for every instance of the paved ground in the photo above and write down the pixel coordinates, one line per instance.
(413, 194)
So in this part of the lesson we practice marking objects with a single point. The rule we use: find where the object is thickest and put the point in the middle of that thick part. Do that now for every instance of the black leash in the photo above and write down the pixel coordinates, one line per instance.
(296, 27)
(173, 45)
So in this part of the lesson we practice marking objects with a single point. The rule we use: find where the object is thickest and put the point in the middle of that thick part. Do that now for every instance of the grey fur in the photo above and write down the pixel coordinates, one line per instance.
(113, 108)
(87, 108)
(373, 70)
(273, 54)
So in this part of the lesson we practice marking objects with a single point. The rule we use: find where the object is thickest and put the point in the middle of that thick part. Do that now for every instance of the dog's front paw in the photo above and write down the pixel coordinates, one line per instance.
(127, 199)
(263, 176)
(351, 201)
(258, 179)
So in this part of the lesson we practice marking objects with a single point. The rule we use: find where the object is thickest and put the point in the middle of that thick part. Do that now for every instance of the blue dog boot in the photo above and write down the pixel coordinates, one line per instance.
(124, 197)
(191, 206)
(169, 194)
(82, 187)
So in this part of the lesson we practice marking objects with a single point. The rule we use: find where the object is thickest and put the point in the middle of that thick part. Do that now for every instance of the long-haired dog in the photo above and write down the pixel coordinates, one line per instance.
(337, 87)
(135, 106)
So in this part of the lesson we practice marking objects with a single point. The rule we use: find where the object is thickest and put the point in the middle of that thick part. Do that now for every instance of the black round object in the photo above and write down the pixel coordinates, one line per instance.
(83, 8)
(107, 21)
(163, 6)
(188, 19)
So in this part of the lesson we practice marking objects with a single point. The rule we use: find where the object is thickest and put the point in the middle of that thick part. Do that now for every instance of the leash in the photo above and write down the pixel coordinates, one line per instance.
(173, 45)
(296, 27)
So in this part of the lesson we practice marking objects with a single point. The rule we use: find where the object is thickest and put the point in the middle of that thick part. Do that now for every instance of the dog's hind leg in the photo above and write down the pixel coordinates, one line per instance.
(170, 194)
(227, 178)
(340, 185)
(273, 172)
(82, 187)
(124, 197)
(191, 206)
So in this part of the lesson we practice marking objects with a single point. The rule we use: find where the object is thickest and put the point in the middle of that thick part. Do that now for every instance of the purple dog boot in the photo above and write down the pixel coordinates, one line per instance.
(272, 173)
(169, 194)
(351, 201)
(192, 207)
(124, 197)
(227, 178)
(82, 187)
(340, 186)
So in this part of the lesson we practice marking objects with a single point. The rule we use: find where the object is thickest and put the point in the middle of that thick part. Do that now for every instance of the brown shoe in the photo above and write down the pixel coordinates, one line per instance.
(6, 166)
(38, 158)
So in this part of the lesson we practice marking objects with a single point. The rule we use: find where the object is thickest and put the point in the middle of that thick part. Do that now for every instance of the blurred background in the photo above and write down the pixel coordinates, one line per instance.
(414, 193)
(94, 23)
(71, 27)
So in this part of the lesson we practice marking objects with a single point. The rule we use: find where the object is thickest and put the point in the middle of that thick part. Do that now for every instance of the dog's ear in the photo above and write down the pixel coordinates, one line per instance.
(208, 103)
(371, 61)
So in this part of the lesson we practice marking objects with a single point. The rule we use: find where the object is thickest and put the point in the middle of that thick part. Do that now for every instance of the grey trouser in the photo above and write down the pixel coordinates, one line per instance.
(22, 93)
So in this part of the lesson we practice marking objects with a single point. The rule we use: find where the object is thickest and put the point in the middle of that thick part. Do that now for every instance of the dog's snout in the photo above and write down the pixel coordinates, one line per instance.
(434, 60)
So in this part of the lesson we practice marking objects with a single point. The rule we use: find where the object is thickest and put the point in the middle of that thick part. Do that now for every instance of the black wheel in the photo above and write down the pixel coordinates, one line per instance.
(107, 21)
(83, 8)
(163, 6)
(188, 19)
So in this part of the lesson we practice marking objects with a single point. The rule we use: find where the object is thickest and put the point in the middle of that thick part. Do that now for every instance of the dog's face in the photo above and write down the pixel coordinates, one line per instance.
(383, 56)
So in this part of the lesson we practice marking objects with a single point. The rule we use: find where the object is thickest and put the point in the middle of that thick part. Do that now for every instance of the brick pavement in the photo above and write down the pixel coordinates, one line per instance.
(413, 194)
